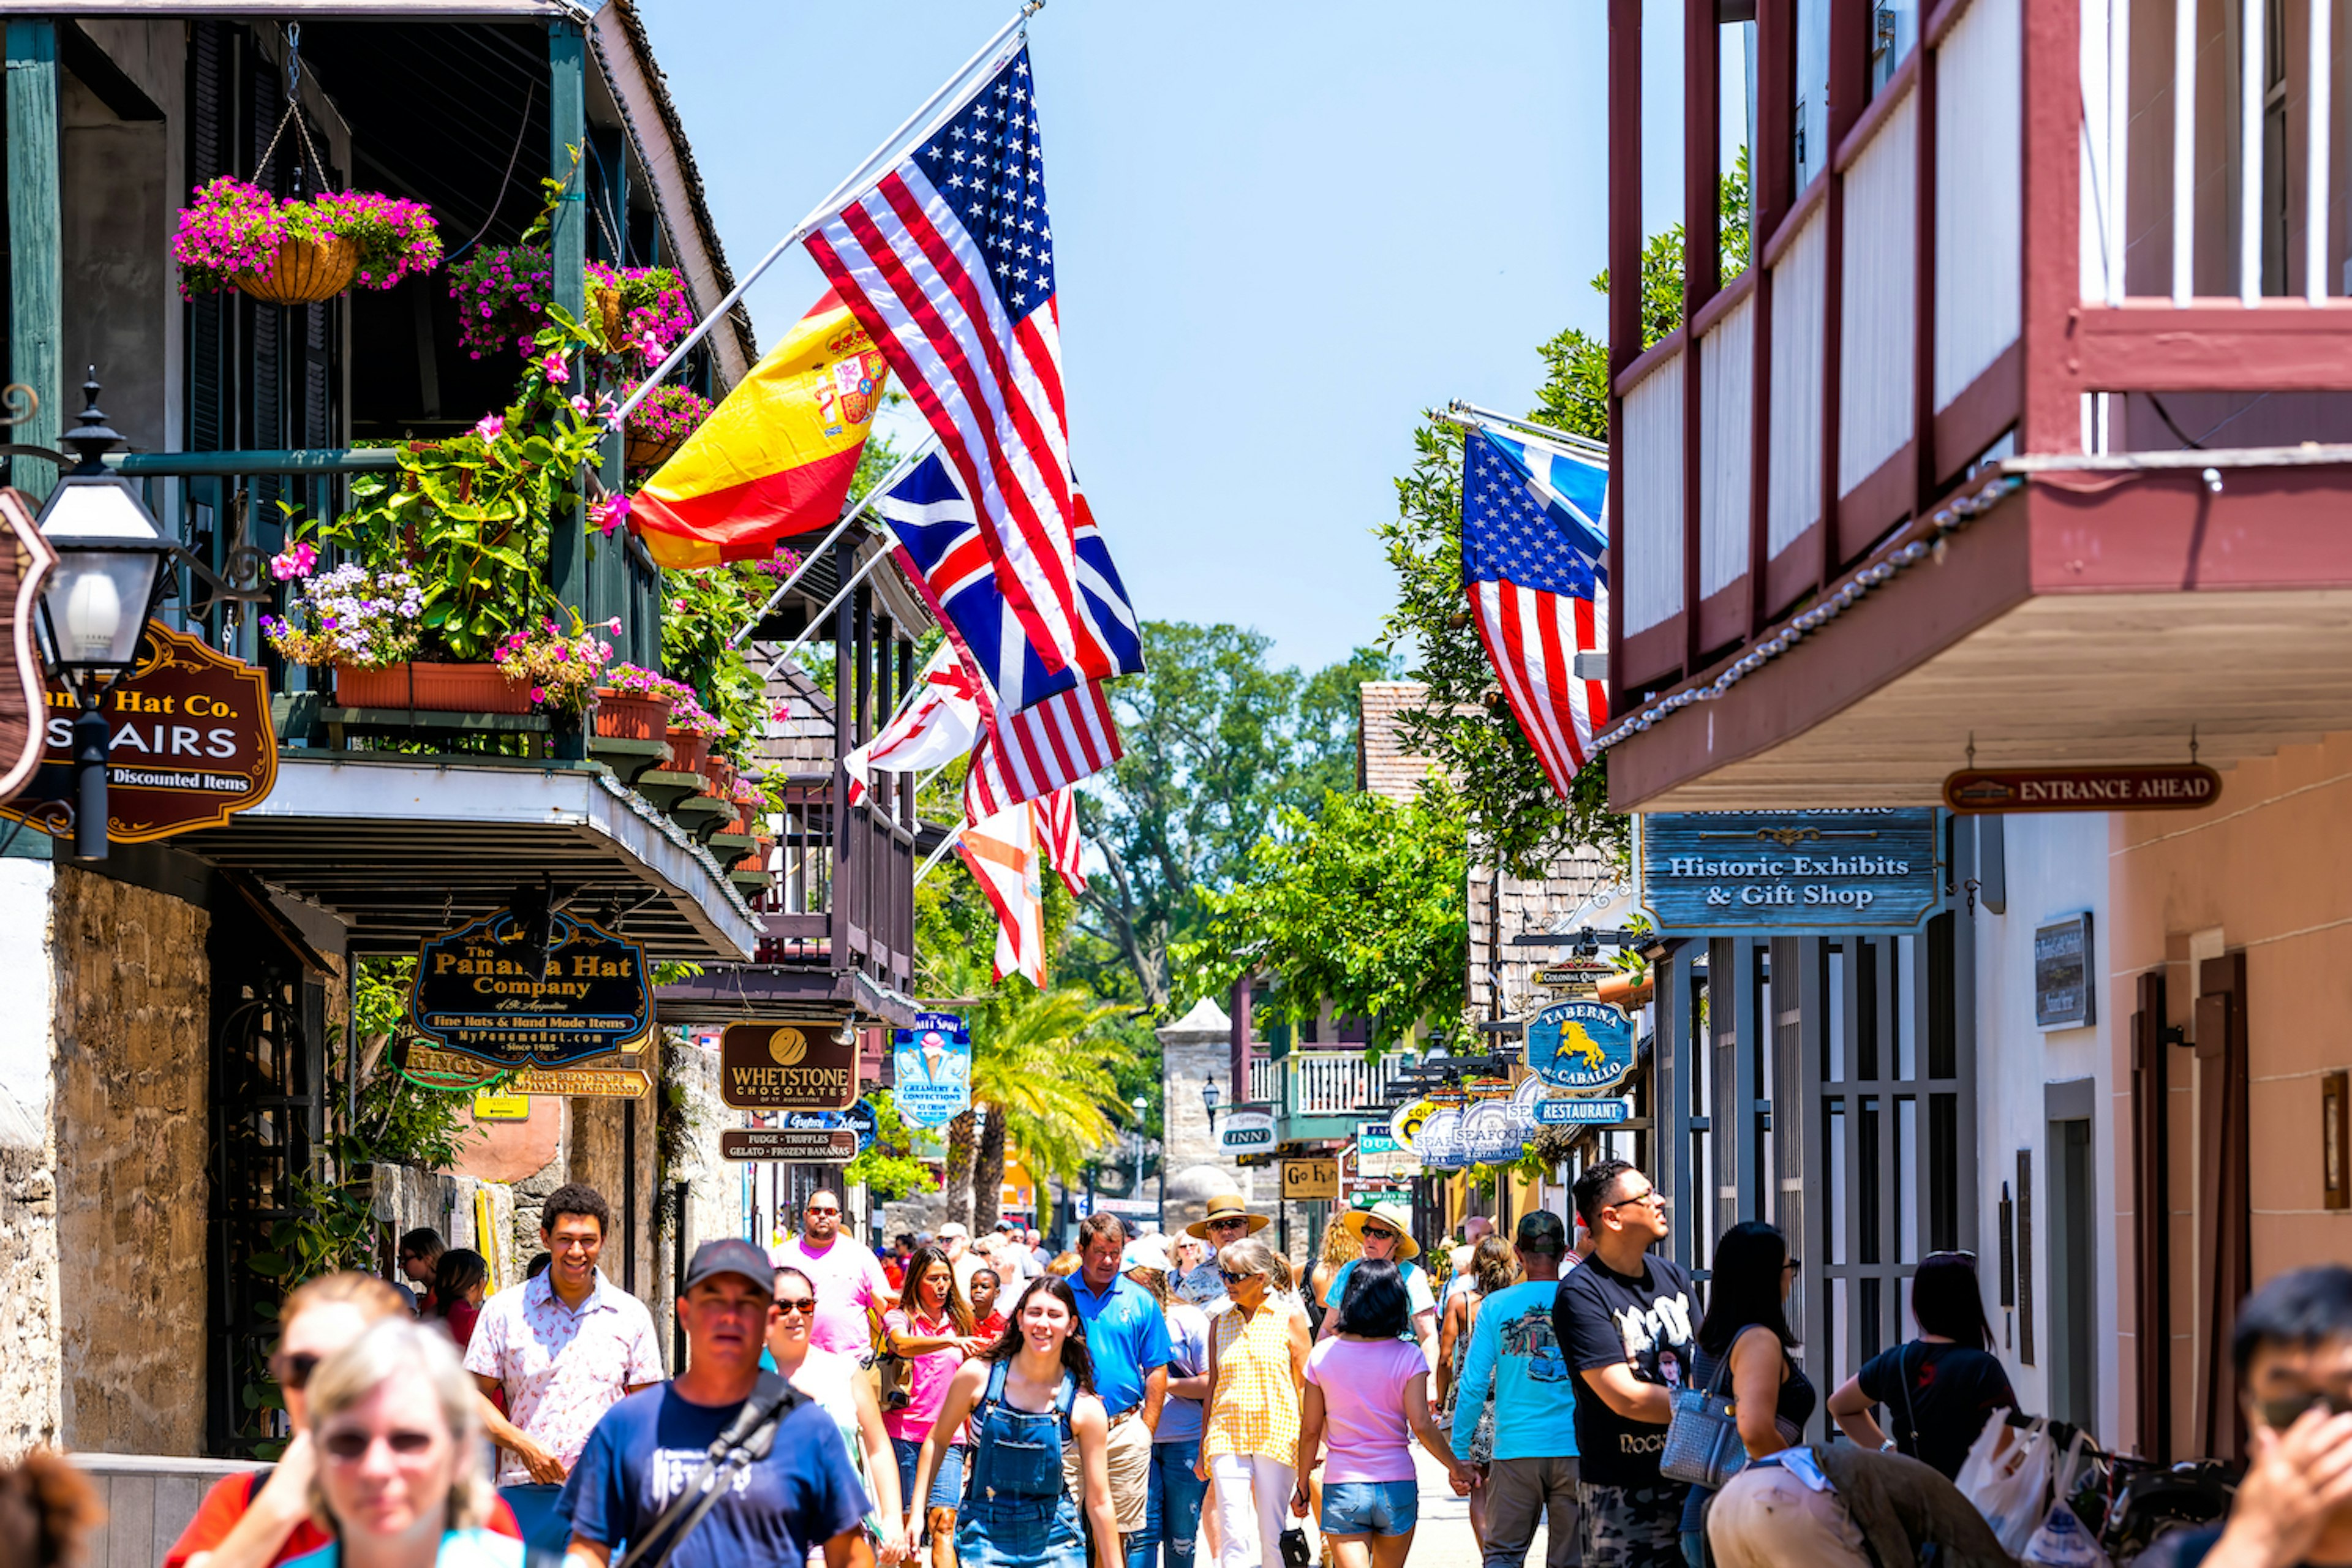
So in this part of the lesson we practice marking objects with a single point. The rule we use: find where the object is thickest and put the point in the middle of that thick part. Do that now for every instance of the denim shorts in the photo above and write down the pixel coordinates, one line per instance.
(947, 1486)
(1370, 1508)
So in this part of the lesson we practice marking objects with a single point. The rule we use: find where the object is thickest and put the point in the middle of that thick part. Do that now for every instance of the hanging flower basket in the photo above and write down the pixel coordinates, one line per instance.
(659, 425)
(305, 272)
(631, 716)
(437, 687)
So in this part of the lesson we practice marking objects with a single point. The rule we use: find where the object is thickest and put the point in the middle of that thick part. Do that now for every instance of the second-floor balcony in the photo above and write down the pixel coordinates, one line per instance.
(2028, 421)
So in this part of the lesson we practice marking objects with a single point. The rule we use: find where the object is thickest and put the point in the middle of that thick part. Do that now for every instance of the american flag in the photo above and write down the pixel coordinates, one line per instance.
(949, 264)
(1044, 747)
(1058, 825)
(945, 555)
(1539, 597)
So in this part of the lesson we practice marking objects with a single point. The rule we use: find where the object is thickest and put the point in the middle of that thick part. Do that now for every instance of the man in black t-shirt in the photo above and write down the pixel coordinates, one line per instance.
(1627, 1322)
(2293, 1350)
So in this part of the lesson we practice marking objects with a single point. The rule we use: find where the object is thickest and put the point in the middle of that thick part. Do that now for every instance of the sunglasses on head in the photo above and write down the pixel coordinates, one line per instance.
(350, 1447)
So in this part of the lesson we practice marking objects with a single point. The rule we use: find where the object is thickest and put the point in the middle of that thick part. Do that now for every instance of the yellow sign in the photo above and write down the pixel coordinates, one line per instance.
(1304, 1181)
(489, 1106)
(603, 1078)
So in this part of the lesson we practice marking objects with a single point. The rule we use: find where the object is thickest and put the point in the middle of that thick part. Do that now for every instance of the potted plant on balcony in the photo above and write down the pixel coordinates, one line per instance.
(659, 425)
(504, 294)
(633, 704)
(561, 669)
(238, 235)
(692, 729)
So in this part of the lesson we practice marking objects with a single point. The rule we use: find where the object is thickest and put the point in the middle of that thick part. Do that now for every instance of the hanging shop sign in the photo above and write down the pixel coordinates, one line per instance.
(1246, 1130)
(1864, 869)
(501, 1106)
(2061, 973)
(1577, 975)
(1380, 1156)
(798, 1145)
(1372, 1197)
(1585, 1047)
(1440, 1144)
(933, 1066)
(617, 1076)
(1406, 1121)
(2174, 786)
(1491, 1134)
(804, 1065)
(1582, 1113)
(488, 990)
(862, 1119)
(26, 562)
(192, 747)
(1305, 1181)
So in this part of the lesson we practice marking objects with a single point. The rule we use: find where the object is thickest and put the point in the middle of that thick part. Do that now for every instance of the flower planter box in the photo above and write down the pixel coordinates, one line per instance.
(305, 272)
(631, 716)
(718, 776)
(687, 751)
(757, 860)
(438, 688)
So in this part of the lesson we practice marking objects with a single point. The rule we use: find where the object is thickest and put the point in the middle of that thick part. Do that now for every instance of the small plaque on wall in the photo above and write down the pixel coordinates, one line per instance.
(2061, 973)
(2334, 1180)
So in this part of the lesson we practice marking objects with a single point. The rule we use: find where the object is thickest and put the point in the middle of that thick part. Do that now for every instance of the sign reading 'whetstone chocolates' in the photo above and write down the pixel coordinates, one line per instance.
(483, 991)
(1867, 870)
(787, 1066)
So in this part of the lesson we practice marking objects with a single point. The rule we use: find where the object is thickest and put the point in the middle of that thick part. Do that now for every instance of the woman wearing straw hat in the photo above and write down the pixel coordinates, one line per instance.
(1384, 1231)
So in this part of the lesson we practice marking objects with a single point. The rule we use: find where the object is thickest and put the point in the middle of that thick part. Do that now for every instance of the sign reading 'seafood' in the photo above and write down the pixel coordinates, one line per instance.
(1869, 869)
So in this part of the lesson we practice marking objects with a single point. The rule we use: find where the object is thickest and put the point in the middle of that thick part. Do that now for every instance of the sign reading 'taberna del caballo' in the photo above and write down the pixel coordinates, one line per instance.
(1870, 869)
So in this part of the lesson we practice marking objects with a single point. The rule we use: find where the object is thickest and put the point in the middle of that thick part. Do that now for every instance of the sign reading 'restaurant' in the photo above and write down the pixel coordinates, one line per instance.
(1789, 870)
(485, 991)
(2174, 786)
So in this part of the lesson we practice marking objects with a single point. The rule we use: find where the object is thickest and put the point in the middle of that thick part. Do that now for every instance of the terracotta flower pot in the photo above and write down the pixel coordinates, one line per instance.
(305, 272)
(757, 860)
(648, 452)
(687, 751)
(631, 715)
(718, 776)
(438, 688)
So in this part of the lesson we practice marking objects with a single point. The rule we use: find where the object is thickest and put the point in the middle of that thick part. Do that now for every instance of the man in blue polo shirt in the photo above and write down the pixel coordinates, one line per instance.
(1127, 1335)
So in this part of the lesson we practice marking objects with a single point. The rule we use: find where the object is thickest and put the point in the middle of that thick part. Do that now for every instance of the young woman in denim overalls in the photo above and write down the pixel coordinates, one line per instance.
(1030, 1401)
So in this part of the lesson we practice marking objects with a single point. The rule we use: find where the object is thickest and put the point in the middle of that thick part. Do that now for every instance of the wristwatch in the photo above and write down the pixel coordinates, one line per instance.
(1888, 1446)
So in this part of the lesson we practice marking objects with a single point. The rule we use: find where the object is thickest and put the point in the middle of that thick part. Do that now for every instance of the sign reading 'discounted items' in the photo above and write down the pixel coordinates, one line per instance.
(489, 990)
(787, 1067)
(1865, 869)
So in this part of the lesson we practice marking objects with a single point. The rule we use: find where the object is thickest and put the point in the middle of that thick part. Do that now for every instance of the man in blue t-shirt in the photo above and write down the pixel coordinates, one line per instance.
(1514, 1352)
(645, 1450)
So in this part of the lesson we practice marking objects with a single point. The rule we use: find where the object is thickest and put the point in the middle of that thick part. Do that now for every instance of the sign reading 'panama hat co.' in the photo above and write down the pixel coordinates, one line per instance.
(800, 1066)
(485, 991)
(1864, 869)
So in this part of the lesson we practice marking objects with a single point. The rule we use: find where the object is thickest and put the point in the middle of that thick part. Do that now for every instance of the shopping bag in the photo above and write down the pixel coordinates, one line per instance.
(2063, 1542)
(2011, 1489)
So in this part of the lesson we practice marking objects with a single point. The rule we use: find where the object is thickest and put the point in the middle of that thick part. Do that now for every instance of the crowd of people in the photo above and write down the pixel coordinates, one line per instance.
(949, 1403)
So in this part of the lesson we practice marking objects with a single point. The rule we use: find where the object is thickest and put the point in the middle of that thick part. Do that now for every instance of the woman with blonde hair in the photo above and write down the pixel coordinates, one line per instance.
(401, 1477)
(1491, 1269)
(1341, 1246)
(1257, 1365)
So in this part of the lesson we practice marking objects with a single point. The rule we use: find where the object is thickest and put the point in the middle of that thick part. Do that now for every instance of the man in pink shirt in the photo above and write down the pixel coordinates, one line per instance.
(848, 1279)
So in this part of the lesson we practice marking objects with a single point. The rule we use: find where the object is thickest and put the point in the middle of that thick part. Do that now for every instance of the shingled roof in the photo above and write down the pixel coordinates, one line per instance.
(1383, 767)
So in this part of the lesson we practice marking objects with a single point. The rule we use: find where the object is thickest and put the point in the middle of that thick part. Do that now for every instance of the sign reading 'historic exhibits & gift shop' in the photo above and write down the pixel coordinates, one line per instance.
(1870, 869)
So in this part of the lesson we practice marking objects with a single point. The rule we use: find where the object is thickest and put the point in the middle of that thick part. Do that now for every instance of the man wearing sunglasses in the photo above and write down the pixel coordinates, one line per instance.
(1626, 1320)
(1228, 1221)
(849, 1280)
(2293, 1352)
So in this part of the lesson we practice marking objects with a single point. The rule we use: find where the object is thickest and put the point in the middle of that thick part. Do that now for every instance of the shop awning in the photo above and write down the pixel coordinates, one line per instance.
(400, 850)
(747, 993)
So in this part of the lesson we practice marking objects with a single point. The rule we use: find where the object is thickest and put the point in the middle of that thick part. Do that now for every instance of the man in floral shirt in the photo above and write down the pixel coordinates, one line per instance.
(563, 1349)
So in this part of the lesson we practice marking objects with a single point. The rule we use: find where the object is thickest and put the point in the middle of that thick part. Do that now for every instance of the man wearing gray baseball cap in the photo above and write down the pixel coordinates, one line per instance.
(799, 1496)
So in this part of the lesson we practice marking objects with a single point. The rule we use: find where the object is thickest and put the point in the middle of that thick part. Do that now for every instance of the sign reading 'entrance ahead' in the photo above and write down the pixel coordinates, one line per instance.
(482, 990)
(2177, 787)
(1872, 870)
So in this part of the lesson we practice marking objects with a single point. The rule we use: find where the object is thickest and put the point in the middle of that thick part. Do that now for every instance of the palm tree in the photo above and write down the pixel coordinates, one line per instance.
(1047, 1083)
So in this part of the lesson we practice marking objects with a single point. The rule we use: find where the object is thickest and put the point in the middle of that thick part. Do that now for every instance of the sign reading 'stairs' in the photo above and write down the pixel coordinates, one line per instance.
(488, 991)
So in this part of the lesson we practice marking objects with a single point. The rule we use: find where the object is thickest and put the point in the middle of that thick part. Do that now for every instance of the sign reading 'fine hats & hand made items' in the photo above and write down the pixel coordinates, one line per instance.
(803, 1066)
(530, 989)
(1864, 869)
(932, 1062)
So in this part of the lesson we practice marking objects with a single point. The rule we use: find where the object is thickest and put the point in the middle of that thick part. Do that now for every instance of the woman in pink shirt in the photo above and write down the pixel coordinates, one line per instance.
(932, 1331)
(1366, 1397)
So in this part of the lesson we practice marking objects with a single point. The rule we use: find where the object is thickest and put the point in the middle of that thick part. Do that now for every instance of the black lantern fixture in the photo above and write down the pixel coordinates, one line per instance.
(111, 556)
(1208, 1098)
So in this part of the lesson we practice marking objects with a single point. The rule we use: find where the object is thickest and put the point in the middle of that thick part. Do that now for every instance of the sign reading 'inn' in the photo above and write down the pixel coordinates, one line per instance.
(484, 991)
(1870, 869)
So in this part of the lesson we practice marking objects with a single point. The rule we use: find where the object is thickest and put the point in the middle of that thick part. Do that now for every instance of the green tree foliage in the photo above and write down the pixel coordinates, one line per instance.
(1217, 744)
(1463, 722)
(888, 1167)
(1360, 906)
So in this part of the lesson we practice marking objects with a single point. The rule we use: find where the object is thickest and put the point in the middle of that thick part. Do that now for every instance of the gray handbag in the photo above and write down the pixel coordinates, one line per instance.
(1703, 1445)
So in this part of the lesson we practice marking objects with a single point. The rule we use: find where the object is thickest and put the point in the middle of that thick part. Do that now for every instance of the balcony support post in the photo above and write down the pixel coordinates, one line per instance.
(1772, 166)
(2050, 242)
(567, 132)
(1625, 297)
(35, 275)
(844, 887)
(1702, 271)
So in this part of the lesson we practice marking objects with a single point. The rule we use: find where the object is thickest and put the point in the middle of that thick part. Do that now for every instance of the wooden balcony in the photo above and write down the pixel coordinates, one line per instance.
(2041, 347)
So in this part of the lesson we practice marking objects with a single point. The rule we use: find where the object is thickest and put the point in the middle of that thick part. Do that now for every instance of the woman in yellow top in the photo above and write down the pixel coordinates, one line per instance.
(1257, 1365)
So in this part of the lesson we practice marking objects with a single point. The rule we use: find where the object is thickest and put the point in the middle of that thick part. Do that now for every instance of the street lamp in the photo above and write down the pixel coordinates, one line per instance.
(94, 608)
(1141, 1106)
(1209, 1098)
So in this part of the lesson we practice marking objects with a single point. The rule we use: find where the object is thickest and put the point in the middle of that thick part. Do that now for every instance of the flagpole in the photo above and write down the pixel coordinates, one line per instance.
(817, 214)
(1461, 413)
(940, 853)
(880, 487)
(831, 604)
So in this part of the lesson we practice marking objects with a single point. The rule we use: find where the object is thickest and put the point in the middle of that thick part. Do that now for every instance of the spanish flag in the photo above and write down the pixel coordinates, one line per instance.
(776, 458)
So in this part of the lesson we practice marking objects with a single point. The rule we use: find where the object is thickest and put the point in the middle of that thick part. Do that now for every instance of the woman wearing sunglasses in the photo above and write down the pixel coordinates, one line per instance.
(1257, 1365)
(1382, 1231)
(844, 1392)
(263, 1517)
(1940, 1388)
(401, 1473)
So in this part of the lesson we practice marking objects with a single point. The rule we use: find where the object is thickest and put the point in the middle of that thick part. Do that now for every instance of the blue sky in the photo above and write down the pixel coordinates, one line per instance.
(1281, 232)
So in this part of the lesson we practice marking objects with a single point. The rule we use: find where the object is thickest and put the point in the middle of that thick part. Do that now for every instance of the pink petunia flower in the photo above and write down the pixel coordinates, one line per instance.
(490, 427)
(557, 371)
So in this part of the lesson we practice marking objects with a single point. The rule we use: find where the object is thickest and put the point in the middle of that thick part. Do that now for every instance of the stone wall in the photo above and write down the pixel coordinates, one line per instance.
(132, 1001)
(30, 1369)
(1193, 1049)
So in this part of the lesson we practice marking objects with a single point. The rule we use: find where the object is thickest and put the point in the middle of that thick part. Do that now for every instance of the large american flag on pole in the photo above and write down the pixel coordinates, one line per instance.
(1530, 567)
(949, 264)
(1044, 747)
